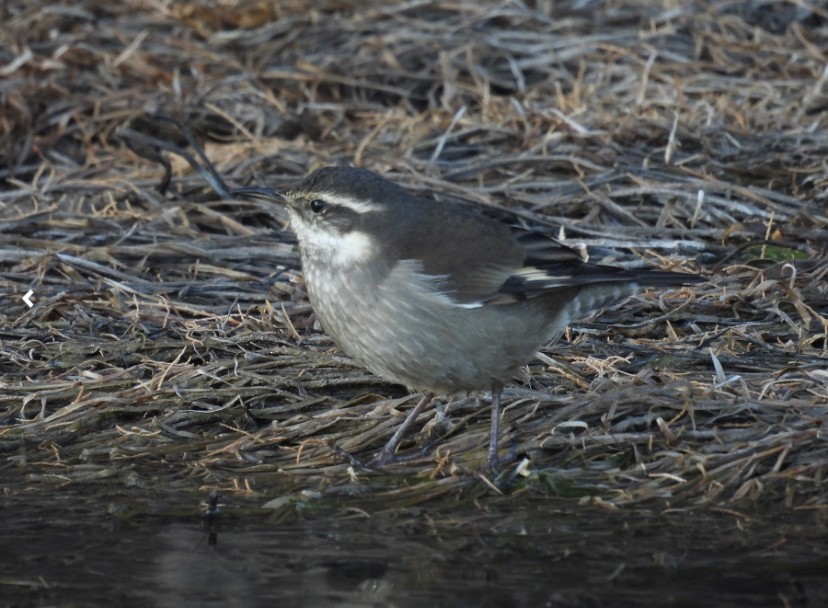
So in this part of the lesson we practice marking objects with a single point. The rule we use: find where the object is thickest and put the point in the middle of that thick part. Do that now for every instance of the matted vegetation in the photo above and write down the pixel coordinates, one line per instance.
(171, 342)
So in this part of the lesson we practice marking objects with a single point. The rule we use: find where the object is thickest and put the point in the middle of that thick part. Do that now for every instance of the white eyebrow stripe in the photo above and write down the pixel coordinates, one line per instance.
(360, 206)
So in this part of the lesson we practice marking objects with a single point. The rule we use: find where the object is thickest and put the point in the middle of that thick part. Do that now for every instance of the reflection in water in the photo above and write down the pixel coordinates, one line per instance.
(537, 553)
(210, 518)
(263, 566)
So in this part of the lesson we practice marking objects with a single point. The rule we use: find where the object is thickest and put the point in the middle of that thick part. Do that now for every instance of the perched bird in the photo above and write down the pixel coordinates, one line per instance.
(437, 297)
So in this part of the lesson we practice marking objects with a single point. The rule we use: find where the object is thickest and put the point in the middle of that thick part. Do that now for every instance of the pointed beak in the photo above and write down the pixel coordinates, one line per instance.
(264, 194)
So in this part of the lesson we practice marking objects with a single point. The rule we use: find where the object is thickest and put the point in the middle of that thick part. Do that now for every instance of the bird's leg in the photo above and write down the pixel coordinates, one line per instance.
(387, 453)
(493, 460)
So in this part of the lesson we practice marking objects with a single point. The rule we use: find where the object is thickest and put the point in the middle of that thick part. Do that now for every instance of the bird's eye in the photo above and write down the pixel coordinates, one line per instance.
(317, 205)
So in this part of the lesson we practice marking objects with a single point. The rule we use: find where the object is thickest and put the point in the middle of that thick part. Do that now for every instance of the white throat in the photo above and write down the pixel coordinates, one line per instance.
(333, 249)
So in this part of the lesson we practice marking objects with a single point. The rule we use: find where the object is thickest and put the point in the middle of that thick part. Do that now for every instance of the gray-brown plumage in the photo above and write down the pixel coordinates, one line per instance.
(436, 296)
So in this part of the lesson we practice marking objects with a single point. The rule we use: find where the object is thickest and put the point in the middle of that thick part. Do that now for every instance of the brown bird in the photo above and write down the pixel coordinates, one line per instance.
(436, 296)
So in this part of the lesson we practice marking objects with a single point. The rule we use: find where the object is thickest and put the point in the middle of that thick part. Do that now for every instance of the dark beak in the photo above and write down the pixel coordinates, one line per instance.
(267, 195)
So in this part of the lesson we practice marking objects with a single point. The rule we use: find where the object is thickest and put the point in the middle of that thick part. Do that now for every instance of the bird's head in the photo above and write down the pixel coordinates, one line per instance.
(340, 213)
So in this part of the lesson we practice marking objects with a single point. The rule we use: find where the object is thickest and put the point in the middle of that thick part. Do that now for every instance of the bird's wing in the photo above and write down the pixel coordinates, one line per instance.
(507, 264)
(478, 260)
(550, 265)
(471, 255)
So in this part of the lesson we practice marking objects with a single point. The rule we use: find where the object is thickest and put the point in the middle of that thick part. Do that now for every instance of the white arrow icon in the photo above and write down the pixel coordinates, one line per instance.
(26, 298)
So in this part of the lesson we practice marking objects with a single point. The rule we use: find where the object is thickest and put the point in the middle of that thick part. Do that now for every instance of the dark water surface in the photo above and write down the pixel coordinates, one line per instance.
(80, 548)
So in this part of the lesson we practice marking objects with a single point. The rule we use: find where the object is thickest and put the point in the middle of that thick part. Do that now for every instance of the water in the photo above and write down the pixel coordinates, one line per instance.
(86, 547)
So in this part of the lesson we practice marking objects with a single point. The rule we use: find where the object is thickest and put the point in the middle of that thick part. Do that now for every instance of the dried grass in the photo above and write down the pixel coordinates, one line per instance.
(171, 342)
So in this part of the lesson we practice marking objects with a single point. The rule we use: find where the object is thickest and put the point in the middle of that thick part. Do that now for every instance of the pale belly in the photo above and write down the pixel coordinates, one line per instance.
(420, 339)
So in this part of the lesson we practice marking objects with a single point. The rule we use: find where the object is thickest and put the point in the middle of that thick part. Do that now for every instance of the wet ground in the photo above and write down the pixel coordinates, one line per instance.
(95, 546)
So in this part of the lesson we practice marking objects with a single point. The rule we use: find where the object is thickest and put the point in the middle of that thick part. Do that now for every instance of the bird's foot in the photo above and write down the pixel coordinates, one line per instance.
(494, 463)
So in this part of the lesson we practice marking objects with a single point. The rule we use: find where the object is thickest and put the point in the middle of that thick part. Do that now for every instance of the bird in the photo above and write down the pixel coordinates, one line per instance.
(435, 296)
